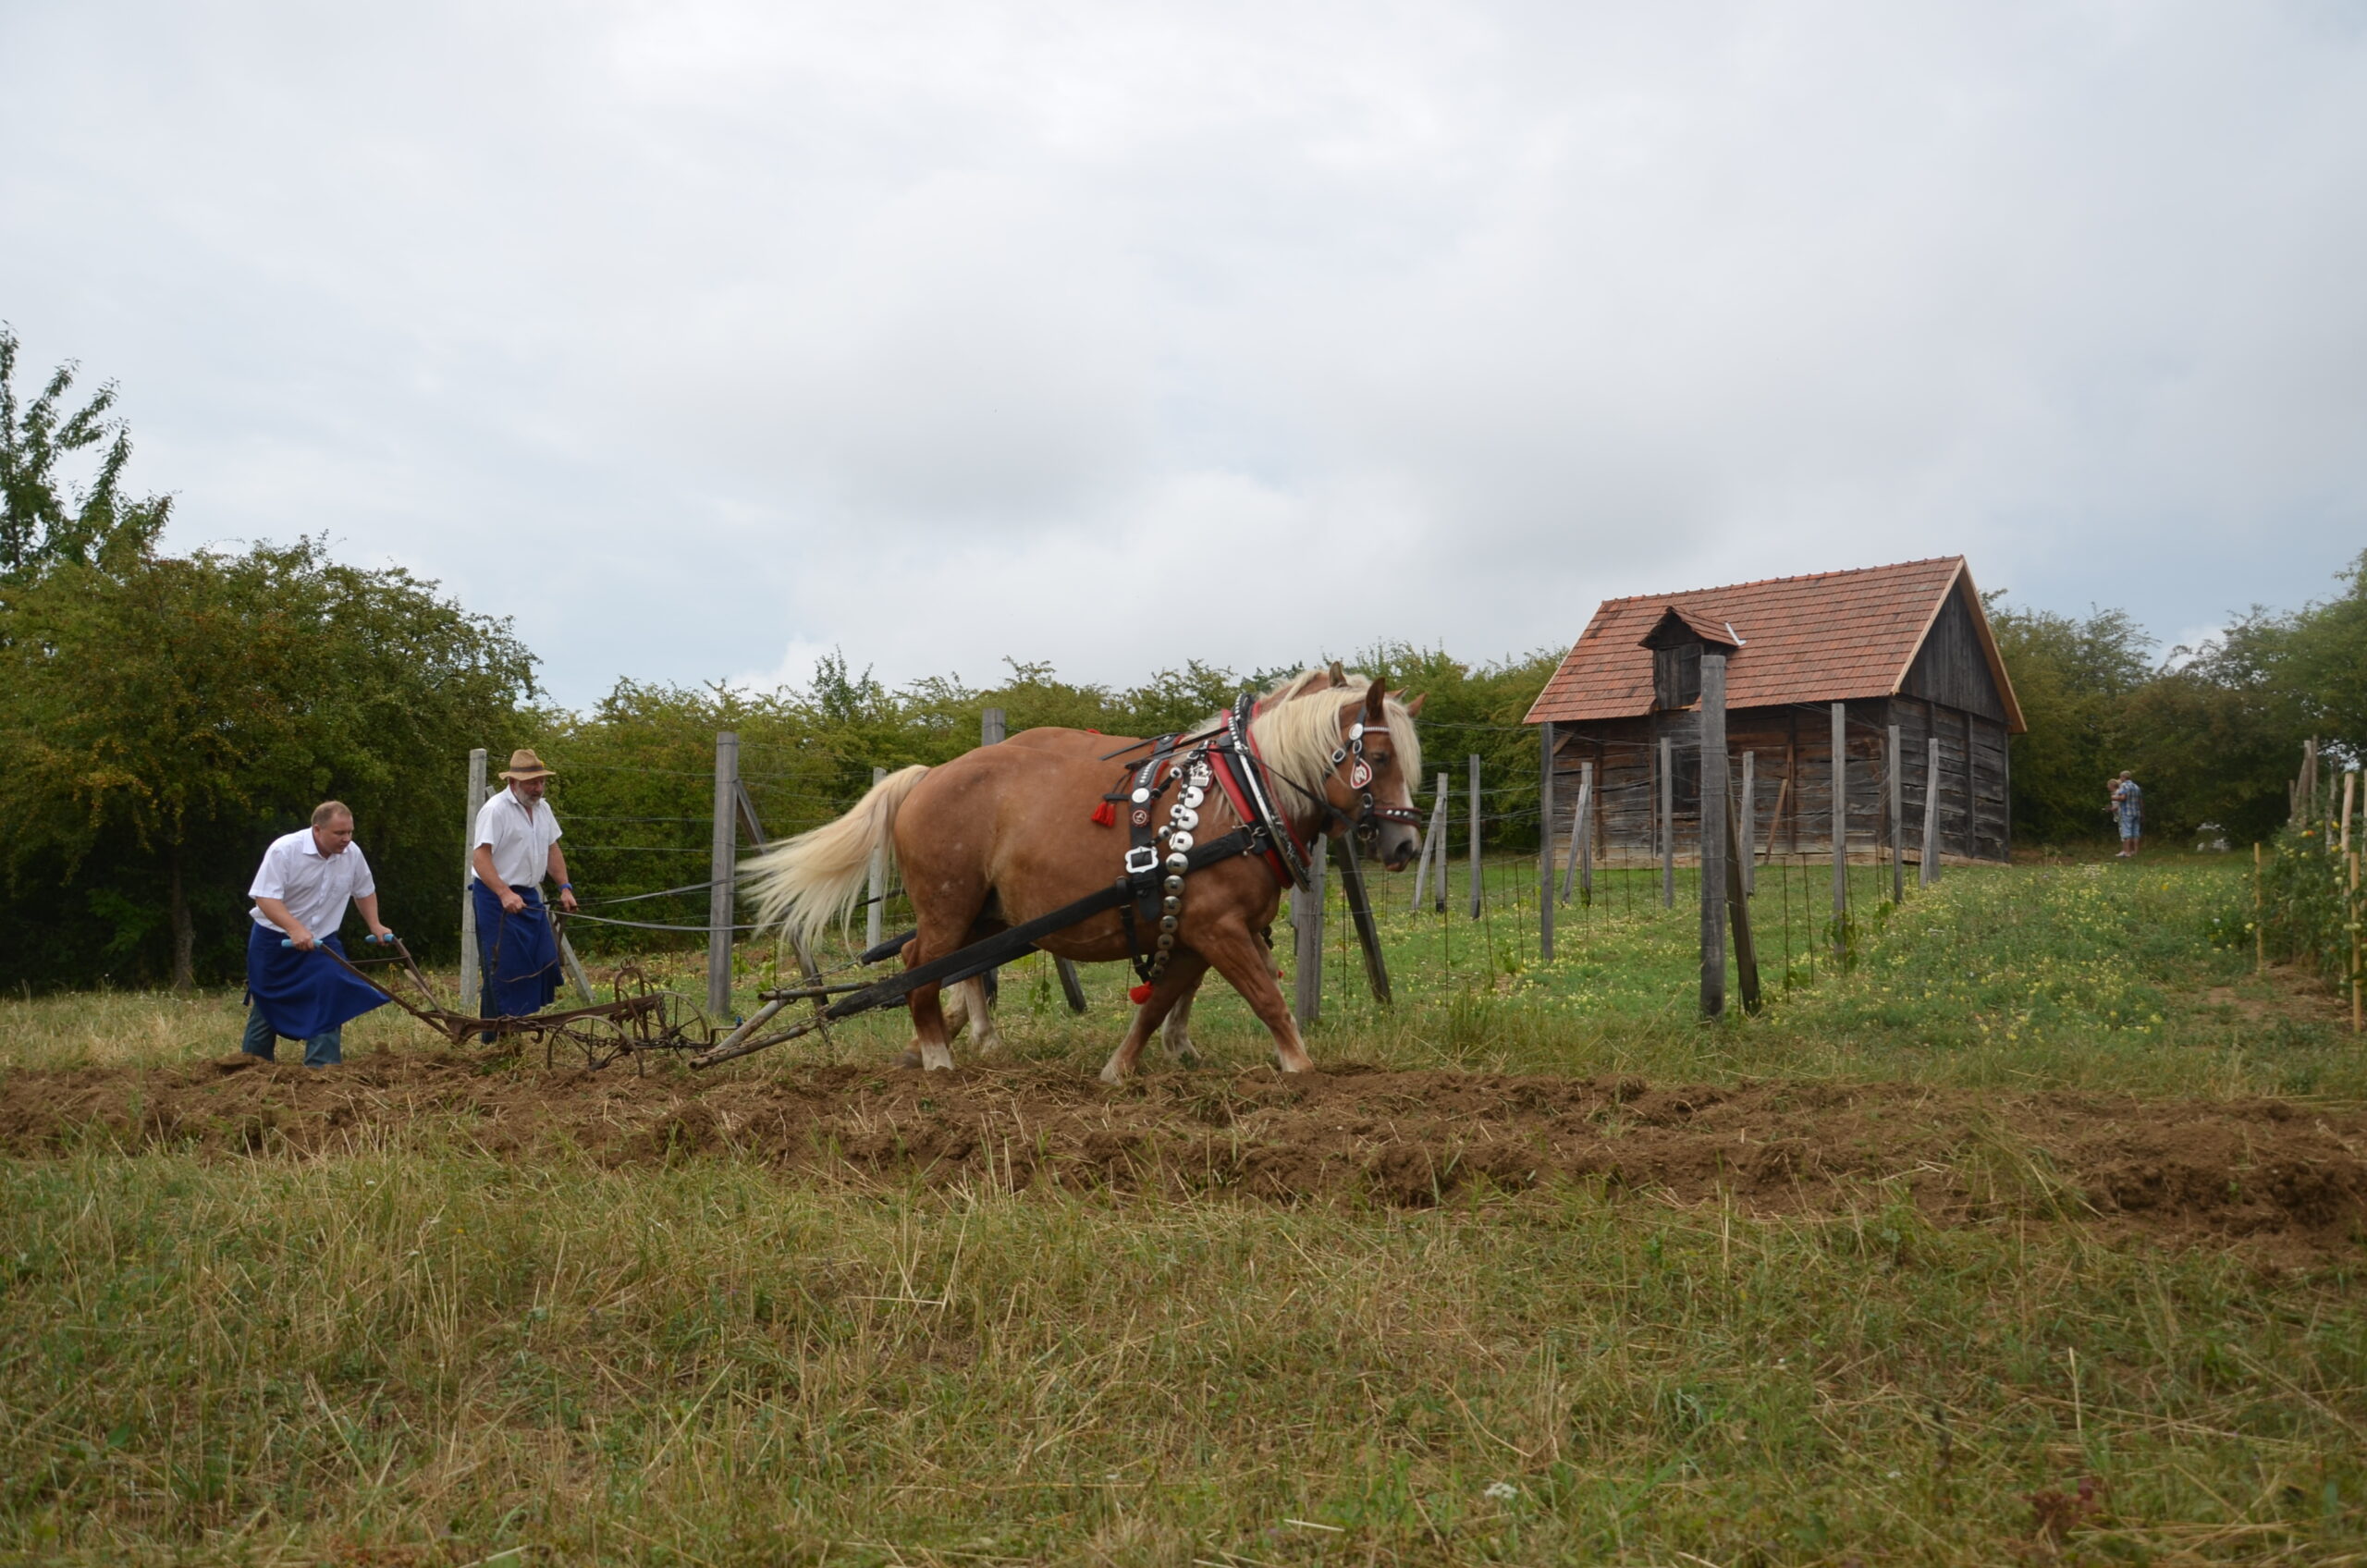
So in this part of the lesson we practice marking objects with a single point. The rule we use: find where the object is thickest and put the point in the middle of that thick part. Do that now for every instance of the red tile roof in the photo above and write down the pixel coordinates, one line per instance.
(1817, 639)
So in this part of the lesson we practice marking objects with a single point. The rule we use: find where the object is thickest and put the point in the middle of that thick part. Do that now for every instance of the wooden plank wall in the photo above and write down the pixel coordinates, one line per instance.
(1792, 744)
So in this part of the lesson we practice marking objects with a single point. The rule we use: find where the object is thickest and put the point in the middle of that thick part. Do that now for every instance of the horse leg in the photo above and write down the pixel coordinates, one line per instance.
(1183, 972)
(1235, 953)
(1176, 1033)
(970, 996)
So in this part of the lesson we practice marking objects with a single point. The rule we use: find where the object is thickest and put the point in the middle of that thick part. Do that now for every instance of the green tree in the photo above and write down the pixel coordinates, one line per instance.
(160, 720)
(2073, 679)
(44, 519)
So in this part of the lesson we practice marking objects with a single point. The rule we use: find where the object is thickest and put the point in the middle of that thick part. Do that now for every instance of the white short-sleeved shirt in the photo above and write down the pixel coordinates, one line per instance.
(315, 887)
(521, 843)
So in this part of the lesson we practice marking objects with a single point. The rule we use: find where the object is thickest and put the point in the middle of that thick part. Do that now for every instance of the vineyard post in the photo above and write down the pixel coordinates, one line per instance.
(877, 885)
(1930, 869)
(1306, 940)
(1668, 825)
(1840, 830)
(1581, 866)
(1545, 842)
(1475, 836)
(2260, 915)
(1898, 826)
(1715, 811)
(1747, 826)
(471, 989)
(722, 851)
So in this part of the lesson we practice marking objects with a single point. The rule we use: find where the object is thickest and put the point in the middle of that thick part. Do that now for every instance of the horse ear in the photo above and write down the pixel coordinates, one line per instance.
(1414, 707)
(1339, 675)
(1375, 695)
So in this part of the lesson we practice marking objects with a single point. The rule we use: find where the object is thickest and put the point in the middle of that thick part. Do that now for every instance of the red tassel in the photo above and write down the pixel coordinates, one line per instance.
(1106, 815)
(1140, 994)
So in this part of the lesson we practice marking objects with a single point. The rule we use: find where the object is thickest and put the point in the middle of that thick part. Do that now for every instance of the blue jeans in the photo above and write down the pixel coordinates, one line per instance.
(325, 1049)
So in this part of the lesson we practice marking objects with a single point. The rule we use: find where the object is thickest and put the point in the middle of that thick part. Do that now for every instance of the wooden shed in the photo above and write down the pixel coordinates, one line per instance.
(1905, 645)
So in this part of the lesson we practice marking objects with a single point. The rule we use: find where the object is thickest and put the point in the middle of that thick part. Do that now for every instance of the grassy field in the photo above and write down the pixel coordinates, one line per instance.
(412, 1349)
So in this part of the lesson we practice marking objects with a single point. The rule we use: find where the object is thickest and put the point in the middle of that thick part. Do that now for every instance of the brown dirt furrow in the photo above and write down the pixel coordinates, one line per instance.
(2179, 1172)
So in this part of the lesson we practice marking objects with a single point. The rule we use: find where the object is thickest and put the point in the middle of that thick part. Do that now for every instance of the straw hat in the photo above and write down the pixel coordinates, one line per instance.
(525, 764)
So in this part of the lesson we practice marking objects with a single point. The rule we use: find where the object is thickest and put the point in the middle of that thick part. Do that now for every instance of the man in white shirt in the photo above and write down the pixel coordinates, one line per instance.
(514, 848)
(301, 892)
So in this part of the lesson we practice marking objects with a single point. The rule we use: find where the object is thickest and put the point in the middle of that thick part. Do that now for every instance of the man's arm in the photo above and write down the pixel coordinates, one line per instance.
(482, 859)
(368, 905)
(275, 910)
(558, 874)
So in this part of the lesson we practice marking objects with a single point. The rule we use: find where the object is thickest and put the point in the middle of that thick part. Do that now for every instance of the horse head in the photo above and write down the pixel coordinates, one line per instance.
(1370, 785)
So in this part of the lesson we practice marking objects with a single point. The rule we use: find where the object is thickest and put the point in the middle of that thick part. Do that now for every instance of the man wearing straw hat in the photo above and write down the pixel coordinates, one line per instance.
(515, 846)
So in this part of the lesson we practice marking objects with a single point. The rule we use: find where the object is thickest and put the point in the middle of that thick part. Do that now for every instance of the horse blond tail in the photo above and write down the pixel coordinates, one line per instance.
(811, 882)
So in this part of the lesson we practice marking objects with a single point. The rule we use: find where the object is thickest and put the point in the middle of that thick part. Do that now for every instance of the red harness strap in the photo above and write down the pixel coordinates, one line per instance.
(1242, 808)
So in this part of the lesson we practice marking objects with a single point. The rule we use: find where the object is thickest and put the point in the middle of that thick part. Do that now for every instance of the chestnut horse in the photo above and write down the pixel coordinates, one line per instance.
(1006, 834)
(964, 1001)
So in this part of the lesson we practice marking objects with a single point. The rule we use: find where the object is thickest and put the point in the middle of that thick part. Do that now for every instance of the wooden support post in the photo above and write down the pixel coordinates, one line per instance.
(1898, 825)
(990, 731)
(1431, 871)
(1306, 942)
(2350, 788)
(2353, 922)
(723, 853)
(2260, 915)
(1581, 866)
(1840, 830)
(1475, 886)
(1353, 893)
(572, 965)
(1746, 940)
(1930, 870)
(877, 885)
(1545, 844)
(1715, 809)
(1746, 841)
(1668, 825)
(471, 981)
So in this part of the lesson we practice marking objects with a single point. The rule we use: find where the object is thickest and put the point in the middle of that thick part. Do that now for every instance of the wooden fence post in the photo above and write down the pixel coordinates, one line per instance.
(878, 883)
(1306, 940)
(2260, 915)
(471, 982)
(1898, 826)
(1745, 943)
(1668, 825)
(723, 851)
(990, 731)
(1715, 811)
(1931, 871)
(1545, 842)
(2350, 788)
(1746, 834)
(1581, 866)
(1840, 830)
(1475, 836)
(2356, 1016)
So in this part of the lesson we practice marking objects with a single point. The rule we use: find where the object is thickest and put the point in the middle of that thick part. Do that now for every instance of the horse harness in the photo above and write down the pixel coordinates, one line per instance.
(1159, 858)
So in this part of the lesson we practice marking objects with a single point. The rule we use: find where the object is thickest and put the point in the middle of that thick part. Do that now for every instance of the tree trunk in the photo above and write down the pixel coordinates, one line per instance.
(184, 930)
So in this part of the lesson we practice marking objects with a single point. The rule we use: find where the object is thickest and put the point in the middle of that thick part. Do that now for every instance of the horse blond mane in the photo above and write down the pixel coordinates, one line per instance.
(1298, 730)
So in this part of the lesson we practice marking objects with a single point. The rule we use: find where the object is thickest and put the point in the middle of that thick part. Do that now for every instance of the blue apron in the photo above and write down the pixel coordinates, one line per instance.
(519, 953)
(303, 994)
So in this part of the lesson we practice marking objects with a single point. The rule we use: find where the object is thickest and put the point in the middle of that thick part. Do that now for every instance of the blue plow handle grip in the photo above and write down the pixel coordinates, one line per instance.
(290, 941)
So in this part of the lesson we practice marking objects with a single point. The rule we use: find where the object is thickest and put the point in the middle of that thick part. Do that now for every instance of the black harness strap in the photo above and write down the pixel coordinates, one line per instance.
(1005, 946)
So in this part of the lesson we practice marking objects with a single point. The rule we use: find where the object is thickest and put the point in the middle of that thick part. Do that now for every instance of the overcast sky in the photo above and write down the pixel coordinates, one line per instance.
(703, 336)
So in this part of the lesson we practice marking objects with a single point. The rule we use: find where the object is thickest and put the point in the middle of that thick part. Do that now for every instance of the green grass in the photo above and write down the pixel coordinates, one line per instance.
(416, 1353)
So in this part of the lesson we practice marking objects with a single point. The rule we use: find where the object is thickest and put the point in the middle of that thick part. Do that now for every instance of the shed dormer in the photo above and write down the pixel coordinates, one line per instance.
(1676, 641)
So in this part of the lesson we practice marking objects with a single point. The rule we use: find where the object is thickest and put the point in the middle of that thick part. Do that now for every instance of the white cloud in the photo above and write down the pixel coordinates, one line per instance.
(692, 334)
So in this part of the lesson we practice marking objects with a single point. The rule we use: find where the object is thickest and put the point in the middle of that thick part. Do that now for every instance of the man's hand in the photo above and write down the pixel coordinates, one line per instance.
(381, 932)
(510, 902)
(567, 900)
(301, 938)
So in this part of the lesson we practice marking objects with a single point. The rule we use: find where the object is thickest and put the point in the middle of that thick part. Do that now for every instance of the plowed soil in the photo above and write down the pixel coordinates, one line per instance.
(2292, 1176)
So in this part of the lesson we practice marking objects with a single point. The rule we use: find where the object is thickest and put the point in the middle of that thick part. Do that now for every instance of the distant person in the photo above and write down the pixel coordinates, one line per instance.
(300, 891)
(2128, 808)
(515, 846)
